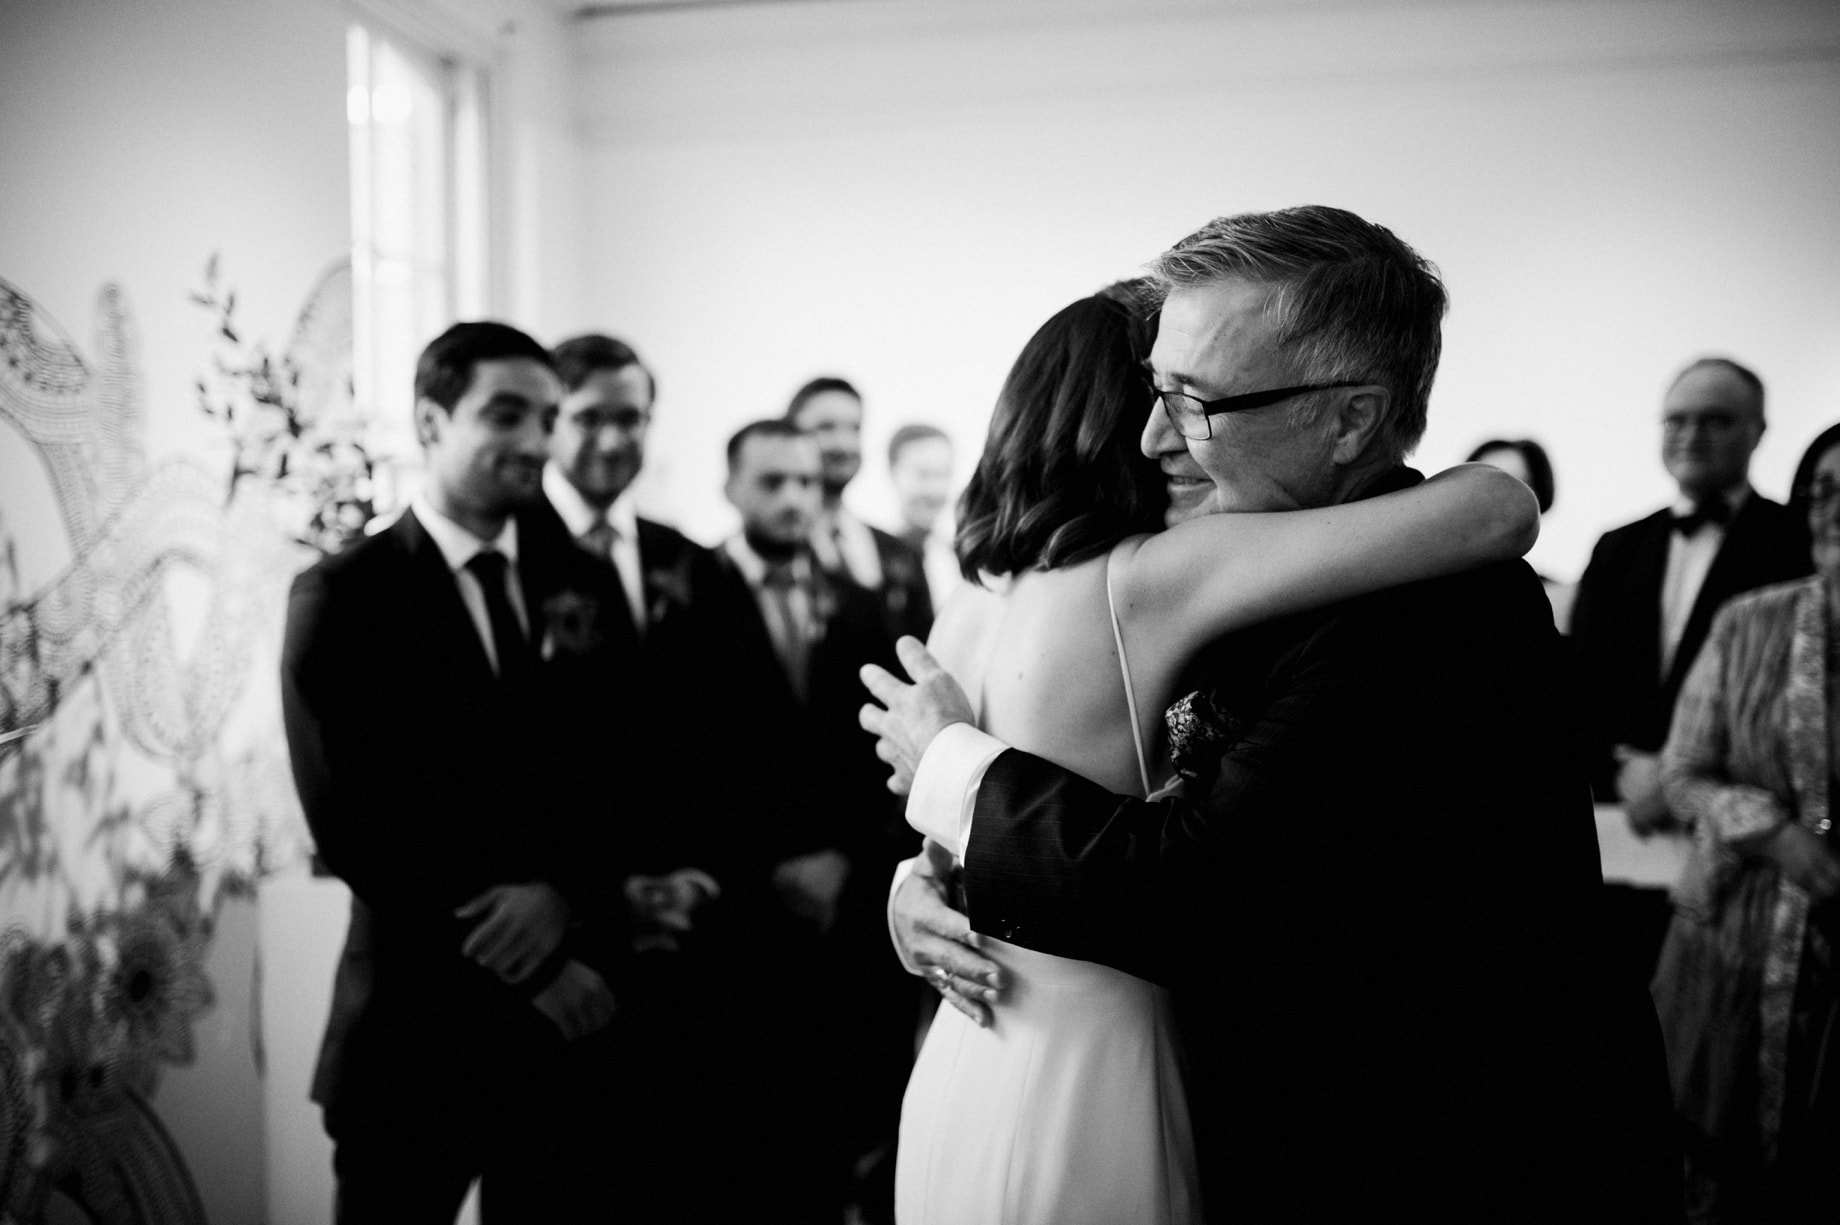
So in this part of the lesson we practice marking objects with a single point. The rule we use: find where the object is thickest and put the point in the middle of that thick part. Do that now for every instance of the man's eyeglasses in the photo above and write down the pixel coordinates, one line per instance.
(1190, 415)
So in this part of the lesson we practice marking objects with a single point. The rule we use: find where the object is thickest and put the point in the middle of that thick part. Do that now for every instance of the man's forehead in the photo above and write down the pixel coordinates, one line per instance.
(779, 456)
(1710, 392)
(1203, 327)
(520, 378)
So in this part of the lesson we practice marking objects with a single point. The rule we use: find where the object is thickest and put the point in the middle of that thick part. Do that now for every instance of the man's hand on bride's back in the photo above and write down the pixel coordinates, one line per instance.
(910, 715)
(940, 943)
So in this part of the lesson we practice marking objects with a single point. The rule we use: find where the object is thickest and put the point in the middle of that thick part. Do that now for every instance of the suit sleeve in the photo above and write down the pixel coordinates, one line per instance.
(1059, 864)
(1589, 634)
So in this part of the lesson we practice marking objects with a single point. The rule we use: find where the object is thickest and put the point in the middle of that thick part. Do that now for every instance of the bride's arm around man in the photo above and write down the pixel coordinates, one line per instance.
(1376, 898)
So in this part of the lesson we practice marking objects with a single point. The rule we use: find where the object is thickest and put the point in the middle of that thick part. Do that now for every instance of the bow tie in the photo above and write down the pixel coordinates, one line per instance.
(1711, 510)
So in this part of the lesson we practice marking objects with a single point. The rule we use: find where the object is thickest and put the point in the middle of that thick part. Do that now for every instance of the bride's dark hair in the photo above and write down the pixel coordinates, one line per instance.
(1061, 478)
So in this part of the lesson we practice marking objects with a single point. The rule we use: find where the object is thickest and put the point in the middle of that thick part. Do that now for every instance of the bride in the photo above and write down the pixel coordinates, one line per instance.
(1070, 641)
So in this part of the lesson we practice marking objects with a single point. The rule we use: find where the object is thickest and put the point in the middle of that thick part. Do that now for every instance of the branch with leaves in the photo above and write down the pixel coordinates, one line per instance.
(323, 465)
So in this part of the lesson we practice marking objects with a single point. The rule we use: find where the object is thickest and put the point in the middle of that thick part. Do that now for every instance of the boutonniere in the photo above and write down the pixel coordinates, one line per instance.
(670, 589)
(571, 624)
(824, 604)
(1201, 732)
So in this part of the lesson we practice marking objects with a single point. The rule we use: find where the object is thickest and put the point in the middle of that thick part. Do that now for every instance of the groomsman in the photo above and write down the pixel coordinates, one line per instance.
(670, 582)
(445, 687)
(824, 827)
(831, 411)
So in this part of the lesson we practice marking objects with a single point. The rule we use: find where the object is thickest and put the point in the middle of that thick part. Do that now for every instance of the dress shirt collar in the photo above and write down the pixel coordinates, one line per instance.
(1734, 499)
(579, 517)
(458, 545)
(753, 566)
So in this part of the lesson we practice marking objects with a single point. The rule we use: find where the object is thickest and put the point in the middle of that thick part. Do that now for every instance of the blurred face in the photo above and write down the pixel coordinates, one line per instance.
(1824, 515)
(1214, 340)
(485, 459)
(599, 443)
(834, 419)
(775, 487)
(922, 477)
(1710, 424)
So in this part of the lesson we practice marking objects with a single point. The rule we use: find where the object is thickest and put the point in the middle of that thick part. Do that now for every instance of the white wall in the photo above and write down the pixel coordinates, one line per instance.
(902, 192)
(136, 140)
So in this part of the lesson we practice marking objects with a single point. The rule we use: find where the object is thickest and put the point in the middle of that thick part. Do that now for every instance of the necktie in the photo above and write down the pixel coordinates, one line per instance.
(599, 541)
(1707, 510)
(508, 641)
(788, 634)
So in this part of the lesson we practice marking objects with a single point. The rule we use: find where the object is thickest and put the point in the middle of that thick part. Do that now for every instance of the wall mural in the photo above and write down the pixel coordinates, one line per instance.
(143, 774)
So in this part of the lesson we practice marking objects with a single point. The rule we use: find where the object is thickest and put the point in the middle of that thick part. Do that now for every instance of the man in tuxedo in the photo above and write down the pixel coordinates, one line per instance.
(819, 823)
(831, 411)
(1377, 898)
(445, 686)
(1646, 600)
(1645, 605)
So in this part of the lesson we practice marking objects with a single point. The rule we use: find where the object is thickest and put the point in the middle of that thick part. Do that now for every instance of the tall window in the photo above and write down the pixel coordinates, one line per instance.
(418, 227)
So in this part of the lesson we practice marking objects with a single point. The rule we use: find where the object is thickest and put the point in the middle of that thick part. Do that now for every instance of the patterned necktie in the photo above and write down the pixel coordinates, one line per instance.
(788, 633)
(599, 540)
(491, 568)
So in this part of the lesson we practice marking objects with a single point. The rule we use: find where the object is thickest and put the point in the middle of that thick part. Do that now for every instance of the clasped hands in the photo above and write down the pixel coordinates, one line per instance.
(519, 927)
(930, 935)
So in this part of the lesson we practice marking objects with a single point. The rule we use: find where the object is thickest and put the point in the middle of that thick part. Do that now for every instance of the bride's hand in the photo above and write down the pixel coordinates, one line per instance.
(914, 713)
(940, 943)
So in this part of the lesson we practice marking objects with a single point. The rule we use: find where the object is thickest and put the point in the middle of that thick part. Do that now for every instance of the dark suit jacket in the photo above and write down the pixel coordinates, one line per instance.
(426, 780)
(811, 778)
(906, 601)
(1616, 622)
(669, 806)
(1377, 908)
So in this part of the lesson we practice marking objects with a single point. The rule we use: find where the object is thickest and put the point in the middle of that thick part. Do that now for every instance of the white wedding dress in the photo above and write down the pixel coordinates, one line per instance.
(1069, 1110)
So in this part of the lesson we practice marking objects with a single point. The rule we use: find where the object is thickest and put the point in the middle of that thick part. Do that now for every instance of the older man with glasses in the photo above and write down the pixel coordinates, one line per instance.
(1376, 896)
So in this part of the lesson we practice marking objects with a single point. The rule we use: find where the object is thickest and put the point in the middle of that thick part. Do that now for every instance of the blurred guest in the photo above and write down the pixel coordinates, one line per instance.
(672, 1051)
(442, 684)
(822, 827)
(1525, 460)
(670, 582)
(1647, 598)
(1747, 988)
(831, 411)
(920, 468)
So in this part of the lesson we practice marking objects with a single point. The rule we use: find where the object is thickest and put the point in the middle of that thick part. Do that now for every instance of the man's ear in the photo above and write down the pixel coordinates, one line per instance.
(430, 420)
(1357, 422)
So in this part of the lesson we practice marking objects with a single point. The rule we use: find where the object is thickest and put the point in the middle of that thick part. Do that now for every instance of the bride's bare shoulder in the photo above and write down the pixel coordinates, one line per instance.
(968, 614)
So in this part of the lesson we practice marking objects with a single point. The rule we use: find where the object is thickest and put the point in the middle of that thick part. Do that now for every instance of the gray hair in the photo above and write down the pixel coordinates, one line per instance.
(1349, 298)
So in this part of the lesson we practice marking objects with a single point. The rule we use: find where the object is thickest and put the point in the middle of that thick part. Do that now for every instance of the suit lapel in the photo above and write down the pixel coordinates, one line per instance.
(1723, 580)
(1648, 574)
(449, 626)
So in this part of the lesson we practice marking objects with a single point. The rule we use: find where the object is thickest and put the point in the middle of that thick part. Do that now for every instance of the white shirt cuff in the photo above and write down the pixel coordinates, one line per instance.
(944, 795)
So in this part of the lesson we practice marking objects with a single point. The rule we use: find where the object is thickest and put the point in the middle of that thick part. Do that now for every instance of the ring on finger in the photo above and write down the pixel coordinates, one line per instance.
(942, 977)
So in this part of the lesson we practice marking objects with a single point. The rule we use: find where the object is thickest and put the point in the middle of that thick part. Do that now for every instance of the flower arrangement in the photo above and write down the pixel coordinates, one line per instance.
(92, 1017)
(312, 454)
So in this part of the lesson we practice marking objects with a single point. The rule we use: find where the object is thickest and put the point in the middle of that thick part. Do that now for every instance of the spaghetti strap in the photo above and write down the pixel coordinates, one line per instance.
(1124, 668)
